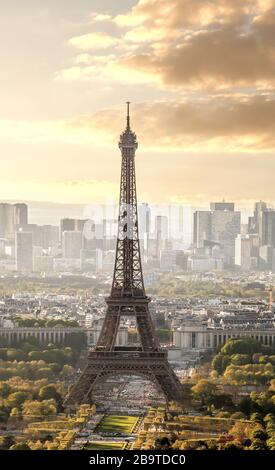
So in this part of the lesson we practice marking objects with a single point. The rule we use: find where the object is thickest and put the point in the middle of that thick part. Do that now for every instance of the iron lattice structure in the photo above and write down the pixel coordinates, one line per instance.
(127, 298)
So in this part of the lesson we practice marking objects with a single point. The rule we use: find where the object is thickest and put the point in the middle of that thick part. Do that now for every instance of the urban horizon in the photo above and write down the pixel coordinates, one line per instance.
(137, 232)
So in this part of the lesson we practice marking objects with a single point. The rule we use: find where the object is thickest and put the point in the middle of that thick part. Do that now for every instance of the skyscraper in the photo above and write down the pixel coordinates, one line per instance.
(7, 221)
(72, 244)
(24, 251)
(219, 226)
(202, 228)
(267, 227)
(21, 214)
(247, 251)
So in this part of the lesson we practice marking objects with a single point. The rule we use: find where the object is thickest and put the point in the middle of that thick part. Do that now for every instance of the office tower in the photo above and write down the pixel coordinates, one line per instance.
(225, 226)
(247, 251)
(21, 214)
(71, 244)
(267, 227)
(70, 225)
(7, 221)
(222, 206)
(36, 230)
(171, 259)
(24, 251)
(161, 232)
(50, 236)
(67, 225)
(161, 226)
(144, 214)
(255, 222)
(218, 227)
(201, 228)
(182, 260)
(266, 256)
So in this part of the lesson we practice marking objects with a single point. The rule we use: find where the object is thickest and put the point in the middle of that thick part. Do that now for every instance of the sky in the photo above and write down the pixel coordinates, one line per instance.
(200, 75)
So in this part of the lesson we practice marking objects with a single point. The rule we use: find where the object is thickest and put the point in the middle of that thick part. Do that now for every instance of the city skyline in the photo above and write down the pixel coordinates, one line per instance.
(198, 121)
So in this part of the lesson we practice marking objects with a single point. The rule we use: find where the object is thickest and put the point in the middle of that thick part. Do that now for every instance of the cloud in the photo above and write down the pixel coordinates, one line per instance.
(218, 123)
(189, 13)
(186, 44)
(100, 17)
(228, 54)
(93, 41)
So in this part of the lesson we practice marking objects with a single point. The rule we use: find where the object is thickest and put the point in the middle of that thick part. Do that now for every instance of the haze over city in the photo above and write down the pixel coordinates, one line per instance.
(137, 232)
(201, 82)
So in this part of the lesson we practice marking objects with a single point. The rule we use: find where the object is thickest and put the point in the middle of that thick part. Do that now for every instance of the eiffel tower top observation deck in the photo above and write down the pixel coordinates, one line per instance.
(128, 278)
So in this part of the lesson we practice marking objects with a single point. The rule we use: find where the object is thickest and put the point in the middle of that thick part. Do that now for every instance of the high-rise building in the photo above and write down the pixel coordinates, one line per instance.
(7, 221)
(247, 251)
(12, 216)
(50, 236)
(222, 206)
(267, 227)
(225, 226)
(144, 214)
(266, 255)
(202, 228)
(21, 214)
(24, 251)
(36, 230)
(72, 244)
(255, 222)
(70, 225)
(218, 227)
(67, 225)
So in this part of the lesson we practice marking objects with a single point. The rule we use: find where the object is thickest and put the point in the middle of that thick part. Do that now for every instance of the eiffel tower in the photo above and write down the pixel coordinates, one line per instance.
(127, 299)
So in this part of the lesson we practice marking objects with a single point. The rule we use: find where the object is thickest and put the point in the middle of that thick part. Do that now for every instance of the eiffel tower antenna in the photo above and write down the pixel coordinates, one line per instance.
(128, 115)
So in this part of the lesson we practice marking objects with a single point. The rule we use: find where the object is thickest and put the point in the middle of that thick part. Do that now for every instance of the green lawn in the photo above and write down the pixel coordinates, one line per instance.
(104, 445)
(117, 423)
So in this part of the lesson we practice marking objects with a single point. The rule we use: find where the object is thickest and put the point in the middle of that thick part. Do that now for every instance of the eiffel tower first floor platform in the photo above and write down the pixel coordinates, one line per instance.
(153, 365)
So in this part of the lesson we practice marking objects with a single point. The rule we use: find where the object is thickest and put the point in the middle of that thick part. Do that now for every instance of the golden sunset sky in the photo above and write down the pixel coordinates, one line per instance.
(201, 78)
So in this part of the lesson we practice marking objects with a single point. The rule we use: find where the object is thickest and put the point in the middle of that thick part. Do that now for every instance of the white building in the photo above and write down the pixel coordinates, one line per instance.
(247, 251)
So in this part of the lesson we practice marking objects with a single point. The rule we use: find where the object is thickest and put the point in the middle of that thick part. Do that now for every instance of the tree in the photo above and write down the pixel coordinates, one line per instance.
(222, 400)
(4, 390)
(256, 418)
(220, 362)
(36, 408)
(238, 415)
(241, 346)
(15, 414)
(6, 442)
(258, 444)
(271, 443)
(204, 390)
(49, 392)
(4, 414)
(245, 406)
(240, 359)
(241, 430)
(67, 371)
(232, 446)
(20, 446)
(259, 433)
(15, 355)
(162, 443)
(16, 399)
